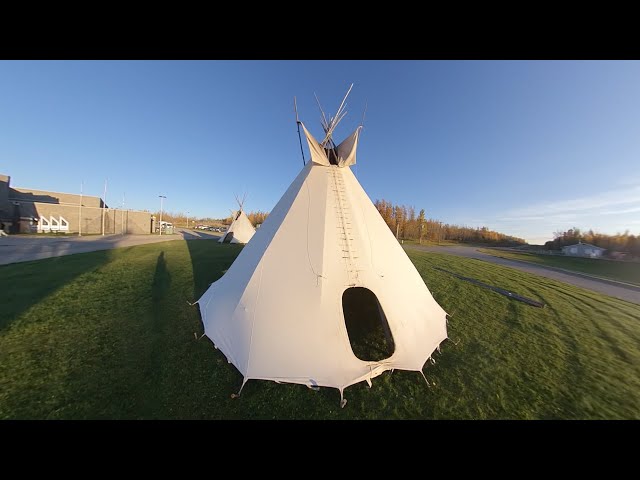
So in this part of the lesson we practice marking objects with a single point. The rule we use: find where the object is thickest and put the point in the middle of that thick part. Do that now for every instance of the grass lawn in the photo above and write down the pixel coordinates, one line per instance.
(622, 271)
(109, 335)
(432, 243)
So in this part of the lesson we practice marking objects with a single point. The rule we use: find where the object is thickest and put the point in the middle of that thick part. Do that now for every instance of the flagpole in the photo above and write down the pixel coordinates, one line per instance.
(104, 204)
(122, 221)
(80, 212)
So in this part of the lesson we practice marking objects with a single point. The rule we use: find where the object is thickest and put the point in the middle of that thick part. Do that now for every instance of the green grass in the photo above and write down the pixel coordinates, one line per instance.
(622, 271)
(109, 335)
(432, 243)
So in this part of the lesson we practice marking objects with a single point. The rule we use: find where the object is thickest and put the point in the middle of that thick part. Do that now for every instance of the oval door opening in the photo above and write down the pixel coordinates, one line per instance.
(367, 326)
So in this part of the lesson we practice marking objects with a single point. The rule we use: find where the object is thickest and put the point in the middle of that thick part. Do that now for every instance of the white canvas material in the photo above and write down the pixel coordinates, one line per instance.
(240, 229)
(346, 151)
(277, 313)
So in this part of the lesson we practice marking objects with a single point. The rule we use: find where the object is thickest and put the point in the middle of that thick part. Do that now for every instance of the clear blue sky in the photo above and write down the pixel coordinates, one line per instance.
(525, 148)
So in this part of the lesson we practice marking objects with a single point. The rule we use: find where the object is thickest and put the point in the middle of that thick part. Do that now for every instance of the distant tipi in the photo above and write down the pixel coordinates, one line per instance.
(279, 312)
(241, 230)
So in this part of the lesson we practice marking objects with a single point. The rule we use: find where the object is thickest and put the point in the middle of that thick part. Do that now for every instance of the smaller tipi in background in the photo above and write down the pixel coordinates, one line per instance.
(241, 230)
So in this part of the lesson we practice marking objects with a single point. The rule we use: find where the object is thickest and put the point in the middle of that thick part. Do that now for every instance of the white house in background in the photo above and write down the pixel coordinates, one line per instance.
(583, 250)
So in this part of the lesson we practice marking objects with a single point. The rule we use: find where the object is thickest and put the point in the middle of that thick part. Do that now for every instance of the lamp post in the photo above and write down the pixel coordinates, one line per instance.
(104, 205)
(188, 218)
(80, 212)
(162, 197)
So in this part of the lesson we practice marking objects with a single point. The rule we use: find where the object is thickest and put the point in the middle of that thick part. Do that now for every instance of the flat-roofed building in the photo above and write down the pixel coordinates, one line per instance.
(24, 210)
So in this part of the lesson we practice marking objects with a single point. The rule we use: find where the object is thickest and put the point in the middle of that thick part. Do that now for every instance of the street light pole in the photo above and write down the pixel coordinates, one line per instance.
(162, 197)
(80, 212)
(104, 205)
(188, 219)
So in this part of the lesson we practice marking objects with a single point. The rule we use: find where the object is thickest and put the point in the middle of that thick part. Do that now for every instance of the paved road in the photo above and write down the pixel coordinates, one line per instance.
(24, 248)
(623, 291)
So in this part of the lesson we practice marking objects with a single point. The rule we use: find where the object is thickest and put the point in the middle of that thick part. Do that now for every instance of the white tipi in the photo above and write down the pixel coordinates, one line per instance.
(278, 312)
(241, 230)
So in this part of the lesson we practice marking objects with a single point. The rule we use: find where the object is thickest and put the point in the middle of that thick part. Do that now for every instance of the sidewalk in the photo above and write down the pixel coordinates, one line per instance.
(25, 248)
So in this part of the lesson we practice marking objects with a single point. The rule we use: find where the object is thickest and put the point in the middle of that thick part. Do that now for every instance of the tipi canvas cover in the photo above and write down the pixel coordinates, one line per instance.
(277, 313)
(240, 230)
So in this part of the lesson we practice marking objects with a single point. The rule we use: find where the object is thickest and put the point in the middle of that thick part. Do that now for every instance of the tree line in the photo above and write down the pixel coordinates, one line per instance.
(402, 220)
(404, 223)
(258, 217)
(621, 242)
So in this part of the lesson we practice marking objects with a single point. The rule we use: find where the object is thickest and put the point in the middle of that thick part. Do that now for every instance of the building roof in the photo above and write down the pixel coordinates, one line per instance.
(585, 244)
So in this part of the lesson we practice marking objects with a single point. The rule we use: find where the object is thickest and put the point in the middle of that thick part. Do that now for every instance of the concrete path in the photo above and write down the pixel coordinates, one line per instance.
(24, 248)
(620, 290)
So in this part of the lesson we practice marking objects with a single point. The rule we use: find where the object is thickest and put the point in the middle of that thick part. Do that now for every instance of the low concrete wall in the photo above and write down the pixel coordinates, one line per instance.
(116, 221)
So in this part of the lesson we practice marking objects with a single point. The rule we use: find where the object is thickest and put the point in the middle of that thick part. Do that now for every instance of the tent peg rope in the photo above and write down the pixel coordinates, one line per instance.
(237, 395)
(451, 339)
(343, 401)
(425, 378)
